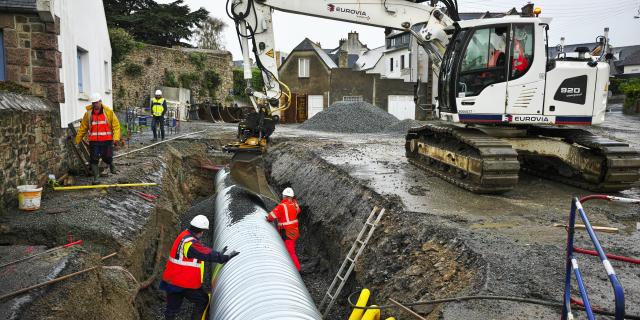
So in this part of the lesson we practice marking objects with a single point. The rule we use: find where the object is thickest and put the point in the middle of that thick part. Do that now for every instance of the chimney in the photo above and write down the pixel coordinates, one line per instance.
(353, 38)
(343, 59)
(527, 10)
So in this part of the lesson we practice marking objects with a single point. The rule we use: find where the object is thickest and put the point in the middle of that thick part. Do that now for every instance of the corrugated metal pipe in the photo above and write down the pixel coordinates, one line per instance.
(261, 282)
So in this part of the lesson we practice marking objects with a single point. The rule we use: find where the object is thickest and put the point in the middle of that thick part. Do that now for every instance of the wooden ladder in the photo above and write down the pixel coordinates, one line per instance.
(350, 261)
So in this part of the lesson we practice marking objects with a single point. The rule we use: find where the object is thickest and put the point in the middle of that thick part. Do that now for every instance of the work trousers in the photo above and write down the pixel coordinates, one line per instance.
(101, 149)
(291, 247)
(174, 301)
(157, 121)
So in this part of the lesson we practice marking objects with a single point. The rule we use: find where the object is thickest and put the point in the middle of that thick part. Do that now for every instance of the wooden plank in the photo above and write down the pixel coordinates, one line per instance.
(595, 228)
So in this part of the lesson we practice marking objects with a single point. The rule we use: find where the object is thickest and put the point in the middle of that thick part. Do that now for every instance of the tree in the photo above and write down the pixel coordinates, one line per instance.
(150, 22)
(121, 44)
(209, 35)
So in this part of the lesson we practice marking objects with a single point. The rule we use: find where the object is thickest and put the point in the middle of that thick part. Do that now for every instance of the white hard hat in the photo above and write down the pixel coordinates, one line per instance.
(95, 97)
(288, 192)
(200, 222)
(158, 92)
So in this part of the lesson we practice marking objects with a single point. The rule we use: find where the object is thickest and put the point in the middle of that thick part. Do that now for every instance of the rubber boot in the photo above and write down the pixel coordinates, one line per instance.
(96, 174)
(112, 168)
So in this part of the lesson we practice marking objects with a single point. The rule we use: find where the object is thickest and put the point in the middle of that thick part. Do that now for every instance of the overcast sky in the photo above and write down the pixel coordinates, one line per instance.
(579, 21)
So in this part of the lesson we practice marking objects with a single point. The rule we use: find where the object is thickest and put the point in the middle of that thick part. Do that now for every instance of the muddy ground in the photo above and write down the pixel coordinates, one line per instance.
(434, 241)
(501, 245)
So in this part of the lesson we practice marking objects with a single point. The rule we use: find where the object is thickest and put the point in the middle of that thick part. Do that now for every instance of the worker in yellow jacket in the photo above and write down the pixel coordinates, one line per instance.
(102, 127)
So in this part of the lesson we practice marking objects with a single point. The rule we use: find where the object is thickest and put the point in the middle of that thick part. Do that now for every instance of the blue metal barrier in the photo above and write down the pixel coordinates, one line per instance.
(572, 263)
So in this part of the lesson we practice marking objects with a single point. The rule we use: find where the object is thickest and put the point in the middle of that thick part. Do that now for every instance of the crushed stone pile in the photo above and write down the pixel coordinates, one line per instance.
(403, 126)
(351, 117)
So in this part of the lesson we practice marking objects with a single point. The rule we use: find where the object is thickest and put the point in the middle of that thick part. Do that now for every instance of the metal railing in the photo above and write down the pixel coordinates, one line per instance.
(572, 263)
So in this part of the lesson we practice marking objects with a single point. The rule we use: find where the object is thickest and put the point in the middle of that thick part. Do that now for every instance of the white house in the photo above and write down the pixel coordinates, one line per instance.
(400, 58)
(86, 55)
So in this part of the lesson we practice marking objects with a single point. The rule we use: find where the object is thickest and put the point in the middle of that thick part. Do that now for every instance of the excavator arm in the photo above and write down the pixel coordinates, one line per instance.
(254, 25)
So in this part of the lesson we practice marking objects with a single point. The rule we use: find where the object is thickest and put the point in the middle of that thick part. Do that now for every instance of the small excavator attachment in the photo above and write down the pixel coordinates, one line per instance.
(247, 166)
(247, 170)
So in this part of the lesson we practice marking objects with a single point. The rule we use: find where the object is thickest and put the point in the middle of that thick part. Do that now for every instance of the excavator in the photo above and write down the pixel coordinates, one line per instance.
(503, 105)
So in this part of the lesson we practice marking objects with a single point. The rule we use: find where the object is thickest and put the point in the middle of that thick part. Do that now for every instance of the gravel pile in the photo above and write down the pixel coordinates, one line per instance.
(350, 117)
(403, 126)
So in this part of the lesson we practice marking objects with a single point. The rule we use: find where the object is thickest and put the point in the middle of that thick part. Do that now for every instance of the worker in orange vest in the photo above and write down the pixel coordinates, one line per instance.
(103, 128)
(286, 212)
(184, 272)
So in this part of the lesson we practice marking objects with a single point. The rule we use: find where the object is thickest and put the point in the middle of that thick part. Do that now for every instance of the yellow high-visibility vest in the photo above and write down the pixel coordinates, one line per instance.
(157, 107)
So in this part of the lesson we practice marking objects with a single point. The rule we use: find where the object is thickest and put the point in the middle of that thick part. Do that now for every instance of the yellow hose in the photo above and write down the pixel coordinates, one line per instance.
(356, 314)
(372, 314)
(102, 186)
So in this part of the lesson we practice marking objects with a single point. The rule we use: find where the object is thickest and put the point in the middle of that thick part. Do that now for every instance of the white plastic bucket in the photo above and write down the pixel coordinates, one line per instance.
(29, 197)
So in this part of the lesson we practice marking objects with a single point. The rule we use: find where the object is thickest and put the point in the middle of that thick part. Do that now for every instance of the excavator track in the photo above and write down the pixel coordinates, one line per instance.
(465, 157)
(619, 167)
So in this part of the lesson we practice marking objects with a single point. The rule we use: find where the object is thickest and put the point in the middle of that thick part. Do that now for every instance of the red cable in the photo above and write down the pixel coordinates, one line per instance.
(580, 303)
(610, 256)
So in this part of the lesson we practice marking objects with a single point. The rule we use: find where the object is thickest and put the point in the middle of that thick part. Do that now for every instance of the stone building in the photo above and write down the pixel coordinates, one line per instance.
(58, 51)
(171, 67)
(57, 54)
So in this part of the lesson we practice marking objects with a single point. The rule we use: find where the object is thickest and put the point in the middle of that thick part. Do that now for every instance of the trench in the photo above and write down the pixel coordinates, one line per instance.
(412, 256)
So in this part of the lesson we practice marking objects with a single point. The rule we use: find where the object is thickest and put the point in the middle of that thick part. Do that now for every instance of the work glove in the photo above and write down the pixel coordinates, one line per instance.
(223, 250)
(226, 257)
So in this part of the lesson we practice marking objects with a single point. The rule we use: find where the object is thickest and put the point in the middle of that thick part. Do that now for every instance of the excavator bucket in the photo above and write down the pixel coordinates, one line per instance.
(247, 170)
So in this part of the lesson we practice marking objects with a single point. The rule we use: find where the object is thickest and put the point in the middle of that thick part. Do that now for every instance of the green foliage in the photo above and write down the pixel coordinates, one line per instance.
(211, 82)
(188, 79)
(631, 90)
(133, 69)
(239, 84)
(148, 61)
(122, 43)
(170, 79)
(11, 86)
(151, 22)
(198, 59)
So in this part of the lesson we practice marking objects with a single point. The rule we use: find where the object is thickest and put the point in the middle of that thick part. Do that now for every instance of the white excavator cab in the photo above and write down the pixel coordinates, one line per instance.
(498, 71)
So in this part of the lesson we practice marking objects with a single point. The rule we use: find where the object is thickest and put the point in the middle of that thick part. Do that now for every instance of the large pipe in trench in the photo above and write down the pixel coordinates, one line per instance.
(261, 282)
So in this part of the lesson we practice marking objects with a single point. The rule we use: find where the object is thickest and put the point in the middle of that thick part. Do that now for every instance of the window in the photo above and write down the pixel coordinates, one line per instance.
(391, 64)
(303, 67)
(107, 77)
(2, 76)
(521, 50)
(484, 61)
(393, 42)
(352, 98)
(402, 62)
(83, 70)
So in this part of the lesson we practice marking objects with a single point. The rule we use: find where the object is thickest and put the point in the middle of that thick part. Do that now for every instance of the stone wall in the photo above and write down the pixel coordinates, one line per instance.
(154, 62)
(32, 145)
(31, 54)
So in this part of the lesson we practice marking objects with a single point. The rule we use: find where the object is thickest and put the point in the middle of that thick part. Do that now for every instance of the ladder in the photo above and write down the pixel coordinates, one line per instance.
(350, 261)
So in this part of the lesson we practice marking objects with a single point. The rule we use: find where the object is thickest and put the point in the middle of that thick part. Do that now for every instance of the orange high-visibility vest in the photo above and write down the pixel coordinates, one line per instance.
(99, 128)
(287, 214)
(181, 271)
